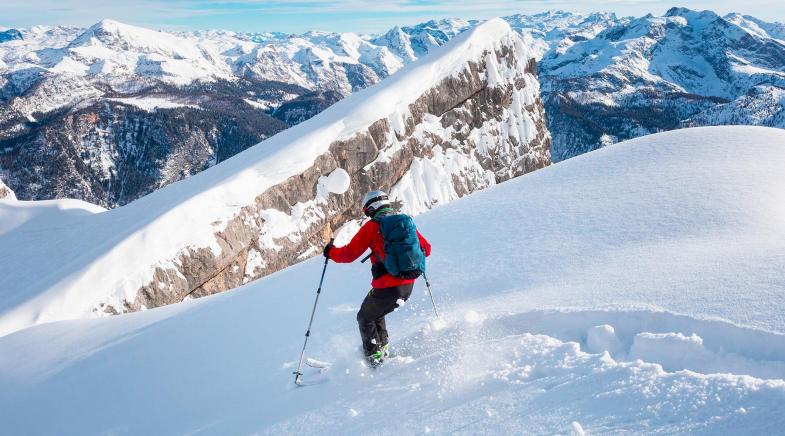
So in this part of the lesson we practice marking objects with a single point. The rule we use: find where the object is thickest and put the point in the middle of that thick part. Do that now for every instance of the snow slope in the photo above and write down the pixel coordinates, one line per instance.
(104, 259)
(637, 288)
(52, 212)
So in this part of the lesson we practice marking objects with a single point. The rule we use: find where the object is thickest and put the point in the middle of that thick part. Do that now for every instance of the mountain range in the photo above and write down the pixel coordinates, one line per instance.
(651, 74)
(112, 112)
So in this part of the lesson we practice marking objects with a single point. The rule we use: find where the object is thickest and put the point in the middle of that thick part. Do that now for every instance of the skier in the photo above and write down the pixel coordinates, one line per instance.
(388, 291)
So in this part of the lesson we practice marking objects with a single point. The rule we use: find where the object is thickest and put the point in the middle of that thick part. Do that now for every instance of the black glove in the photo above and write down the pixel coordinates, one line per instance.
(327, 249)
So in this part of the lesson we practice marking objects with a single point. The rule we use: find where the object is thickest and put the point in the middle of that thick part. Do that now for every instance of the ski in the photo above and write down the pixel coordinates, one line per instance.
(303, 383)
(311, 382)
(313, 363)
(316, 364)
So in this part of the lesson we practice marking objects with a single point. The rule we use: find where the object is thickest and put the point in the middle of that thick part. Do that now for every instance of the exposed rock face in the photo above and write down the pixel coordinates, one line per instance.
(476, 128)
(6, 193)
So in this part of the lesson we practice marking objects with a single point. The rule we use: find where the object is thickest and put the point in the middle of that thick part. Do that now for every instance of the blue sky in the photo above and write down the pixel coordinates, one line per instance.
(331, 15)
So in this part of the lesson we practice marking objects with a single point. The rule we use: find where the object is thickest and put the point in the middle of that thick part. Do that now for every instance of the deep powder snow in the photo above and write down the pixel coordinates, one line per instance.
(633, 289)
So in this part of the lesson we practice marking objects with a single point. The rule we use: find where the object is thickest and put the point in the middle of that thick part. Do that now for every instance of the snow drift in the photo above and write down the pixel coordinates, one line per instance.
(460, 119)
(668, 249)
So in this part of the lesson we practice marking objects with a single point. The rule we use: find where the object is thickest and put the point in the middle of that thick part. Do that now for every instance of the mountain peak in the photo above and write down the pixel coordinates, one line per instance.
(109, 31)
(678, 11)
(110, 47)
(689, 13)
(10, 35)
(398, 42)
(110, 26)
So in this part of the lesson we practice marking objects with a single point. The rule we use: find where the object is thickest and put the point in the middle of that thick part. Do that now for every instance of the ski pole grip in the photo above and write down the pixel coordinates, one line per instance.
(326, 259)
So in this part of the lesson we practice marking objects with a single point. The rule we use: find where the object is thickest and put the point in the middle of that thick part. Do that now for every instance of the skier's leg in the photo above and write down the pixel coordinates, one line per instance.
(381, 331)
(402, 292)
(372, 308)
(377, 304)
(405, 291)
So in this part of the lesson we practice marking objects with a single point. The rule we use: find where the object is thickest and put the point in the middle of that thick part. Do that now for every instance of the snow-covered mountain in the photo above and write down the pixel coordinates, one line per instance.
(190, 100)
(651, 74)
(113, 112)
(9, 35)
(460, 119)
(555, 31)
(634, 289)
(763, 105)
(127, 110)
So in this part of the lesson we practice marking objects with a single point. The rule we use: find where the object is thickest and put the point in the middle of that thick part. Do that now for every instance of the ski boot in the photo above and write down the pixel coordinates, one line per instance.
(377, 358)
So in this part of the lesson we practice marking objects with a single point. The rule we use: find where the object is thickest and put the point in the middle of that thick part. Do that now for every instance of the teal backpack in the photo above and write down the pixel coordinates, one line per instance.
(403, 256)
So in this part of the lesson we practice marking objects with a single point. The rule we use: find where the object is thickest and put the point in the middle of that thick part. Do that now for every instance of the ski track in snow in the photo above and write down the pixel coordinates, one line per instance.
(636, 289)
(504, 383)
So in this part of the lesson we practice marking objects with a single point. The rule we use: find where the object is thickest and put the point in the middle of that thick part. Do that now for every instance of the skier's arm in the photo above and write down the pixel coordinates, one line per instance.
(424, 244)
(356, 247)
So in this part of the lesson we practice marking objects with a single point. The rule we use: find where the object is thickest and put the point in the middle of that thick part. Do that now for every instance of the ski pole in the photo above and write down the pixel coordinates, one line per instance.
(428, 285)
(297, 373)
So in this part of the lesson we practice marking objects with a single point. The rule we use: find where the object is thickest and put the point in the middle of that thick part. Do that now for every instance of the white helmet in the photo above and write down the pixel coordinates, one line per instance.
(374, 201)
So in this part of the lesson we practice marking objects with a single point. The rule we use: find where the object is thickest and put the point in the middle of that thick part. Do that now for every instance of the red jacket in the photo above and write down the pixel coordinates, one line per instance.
(367, 237)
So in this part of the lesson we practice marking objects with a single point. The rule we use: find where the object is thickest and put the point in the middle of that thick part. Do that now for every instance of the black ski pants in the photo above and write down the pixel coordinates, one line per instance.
(378, 303)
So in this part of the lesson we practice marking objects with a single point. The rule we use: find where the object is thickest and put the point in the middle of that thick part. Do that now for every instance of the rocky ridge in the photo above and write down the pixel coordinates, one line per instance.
(476, 122)
(474, 129)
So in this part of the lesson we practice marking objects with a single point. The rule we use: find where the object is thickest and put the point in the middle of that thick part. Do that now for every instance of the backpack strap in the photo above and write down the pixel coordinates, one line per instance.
(377, 219)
